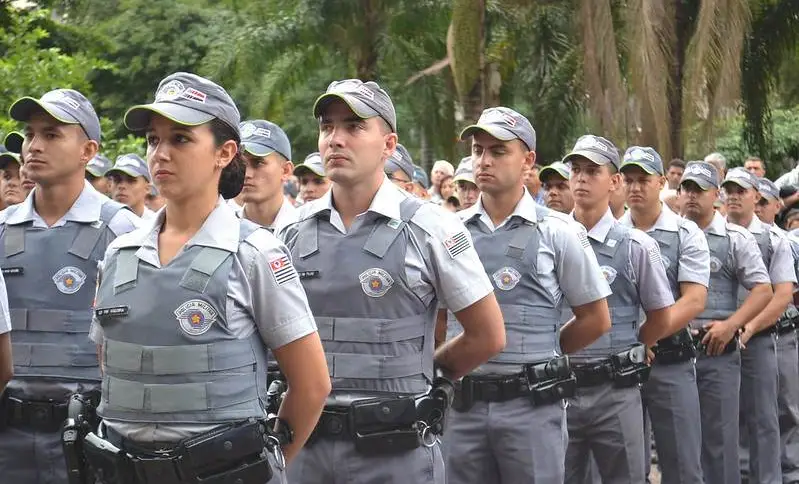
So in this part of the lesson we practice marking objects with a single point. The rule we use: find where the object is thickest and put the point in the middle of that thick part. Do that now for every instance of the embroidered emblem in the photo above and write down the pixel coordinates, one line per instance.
(394, 223)
(609, 273)
(69, 280)
(195, 317)
(457, 244)
(170, 91)
(654, 254)
(375, 282)
(282, 269)
(506, 278)
(715, 264)
(611, 243)
(583, 236)
(247, 130)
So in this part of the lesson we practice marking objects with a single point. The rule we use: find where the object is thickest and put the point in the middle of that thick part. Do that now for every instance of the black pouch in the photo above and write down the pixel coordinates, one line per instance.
(464, 395)
(222, 449)
(106, 462)
(553, 391)
(382, 427)
(256, 471)
(630, 367)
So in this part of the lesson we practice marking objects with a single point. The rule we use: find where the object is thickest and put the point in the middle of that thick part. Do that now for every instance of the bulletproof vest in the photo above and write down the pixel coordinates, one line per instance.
(377, 333)
(168, 353)
(669, 243)
(766, 251)
(51, 277)
(723, 288)
(532, 316)
(614, 260)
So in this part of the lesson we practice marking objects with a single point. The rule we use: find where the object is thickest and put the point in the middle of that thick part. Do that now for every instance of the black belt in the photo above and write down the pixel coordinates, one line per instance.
(494, 388)
(591, 375)
(677, 348)
(624, 369)
(42, 415)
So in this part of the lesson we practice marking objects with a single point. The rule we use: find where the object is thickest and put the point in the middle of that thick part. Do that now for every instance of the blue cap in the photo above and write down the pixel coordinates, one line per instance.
(400, 160)
(595, 148)
(131, 164)
(65, 105)
(703, 174)
(420, 177)
(643, 157)
(503, 124)
(740, 177)
(98, 166)
(261, 138)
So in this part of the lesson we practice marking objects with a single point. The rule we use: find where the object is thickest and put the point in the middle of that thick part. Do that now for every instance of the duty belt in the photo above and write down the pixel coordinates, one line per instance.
(677, 348)
(624, 369)
(701, 348)
(41, 415)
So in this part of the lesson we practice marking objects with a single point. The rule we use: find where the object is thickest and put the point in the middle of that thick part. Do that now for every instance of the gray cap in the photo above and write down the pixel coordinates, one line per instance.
(186, 99)
(703, 174)
(464, 172)
(557, 168)
(65, 105)
(13, 142)
(643, 157)
(400, 160)
(365, 99)
(260, 138)
(596, 148)
(740, 177)
(768, 189)
(503, 124)
(131, 164)
(420, 176)
(312, 163)
(98, 166)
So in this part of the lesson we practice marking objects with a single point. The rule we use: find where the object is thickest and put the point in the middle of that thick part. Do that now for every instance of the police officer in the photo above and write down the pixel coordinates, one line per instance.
(51, 244)
(130, 183)
(376, 312)
(788, 367)
(465, 186)
(267, 151)
(508, 426)
(557, 193)
(12, 191)
(670, 396)
(759, 411)
(604, 418)
(734, 262)
(399, 169)
(188, 304)
(311, 175)
(96, 169)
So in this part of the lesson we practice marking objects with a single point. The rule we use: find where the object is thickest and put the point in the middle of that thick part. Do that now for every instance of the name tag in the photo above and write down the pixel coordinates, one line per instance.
(13, 271)
(111, 312)
(308, 274)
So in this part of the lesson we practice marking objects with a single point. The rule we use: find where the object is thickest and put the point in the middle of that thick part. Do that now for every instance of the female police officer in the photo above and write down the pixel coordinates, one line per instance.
(187, 306)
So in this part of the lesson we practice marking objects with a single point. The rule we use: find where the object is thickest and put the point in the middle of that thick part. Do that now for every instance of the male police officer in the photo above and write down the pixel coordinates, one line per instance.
(557, 193)
(464, 183)
(130, 183)
(267, 152)
(787, 346)
(375, 262)
(734, 262)
(605, 416)
(311, 175)
(510, 415)
(399, 168)
(759, 358)
(96, 169)
(51, 245)
(670, 396)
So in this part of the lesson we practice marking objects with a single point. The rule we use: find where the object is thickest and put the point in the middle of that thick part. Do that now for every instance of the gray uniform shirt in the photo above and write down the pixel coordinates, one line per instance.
(781, 266)
(255, 299)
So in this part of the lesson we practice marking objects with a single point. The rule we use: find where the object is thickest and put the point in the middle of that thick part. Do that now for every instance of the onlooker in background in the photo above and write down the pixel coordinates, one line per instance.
(465, 186)
(440, 169)
(674, 173)
(790, 179)
(792, 220)
(290, 190)
(720, 163)
(533, 184)
(446, 187)
(96, 169)
(755, 166)
(555, 181)
(311, 175)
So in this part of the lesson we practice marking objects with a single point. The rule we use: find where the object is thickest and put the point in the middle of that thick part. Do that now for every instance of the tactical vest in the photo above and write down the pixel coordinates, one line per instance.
(766, 251)
(168, 353)
(722, 292)
(377, 333)
(614, 259)
(531, 314)
(51, 277)
(669, 243)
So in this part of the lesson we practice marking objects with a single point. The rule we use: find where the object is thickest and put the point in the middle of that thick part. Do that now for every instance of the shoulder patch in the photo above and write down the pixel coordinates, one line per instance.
(282, 269)
(457, 244)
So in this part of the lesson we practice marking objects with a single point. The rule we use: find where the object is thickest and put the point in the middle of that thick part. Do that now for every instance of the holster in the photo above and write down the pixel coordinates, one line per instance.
(787, 321)
(551, 381)
(677, 348)
(432, 408)
(731, 347)
(81, 419)
(381, 426)
(630, 367)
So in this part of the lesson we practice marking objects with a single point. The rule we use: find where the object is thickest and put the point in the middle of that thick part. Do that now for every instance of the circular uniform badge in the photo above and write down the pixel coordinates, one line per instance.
(609, 273)
(247, 130)
(506, 278)
(195, 317)
(715, 264)
(170, 91)
(69, 280)
(375, 282)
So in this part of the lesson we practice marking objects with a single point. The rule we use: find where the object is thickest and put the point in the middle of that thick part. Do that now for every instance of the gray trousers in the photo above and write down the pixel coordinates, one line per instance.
(671, 400)
(758, 412)
(718, 379)
(335, 461)
(507, 443)
(788, 405)
(606, 422)
(31, 457)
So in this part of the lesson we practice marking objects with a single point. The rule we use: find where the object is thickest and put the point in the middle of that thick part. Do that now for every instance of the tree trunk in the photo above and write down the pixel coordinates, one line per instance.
(682, 24)
(366, 62)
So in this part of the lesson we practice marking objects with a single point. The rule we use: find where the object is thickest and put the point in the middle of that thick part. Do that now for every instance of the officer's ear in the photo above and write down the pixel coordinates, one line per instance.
(529, 157)
(88, 150)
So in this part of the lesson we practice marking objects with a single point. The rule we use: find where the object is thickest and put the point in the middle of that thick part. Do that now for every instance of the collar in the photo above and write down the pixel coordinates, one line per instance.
(217, 231)
(756, 226)
(525, 209)
(718, 225)
(86, 208)
(287, 212)
(386, 201)
(667, 220)
(600, 231)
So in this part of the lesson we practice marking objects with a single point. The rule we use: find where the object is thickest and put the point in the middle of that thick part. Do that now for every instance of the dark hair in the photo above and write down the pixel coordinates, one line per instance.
(756, 158)
(678, 163)
(231, 180)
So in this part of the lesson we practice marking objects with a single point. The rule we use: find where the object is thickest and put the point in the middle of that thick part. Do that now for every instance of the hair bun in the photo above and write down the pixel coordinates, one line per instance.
(231, 180)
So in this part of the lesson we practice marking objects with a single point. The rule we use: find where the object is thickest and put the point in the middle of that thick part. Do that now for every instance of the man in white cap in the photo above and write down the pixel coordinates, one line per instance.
(441, 169)
(311, 175)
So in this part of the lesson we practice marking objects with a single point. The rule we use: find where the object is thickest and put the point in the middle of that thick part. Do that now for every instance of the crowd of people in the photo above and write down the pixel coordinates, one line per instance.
(217, 312)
